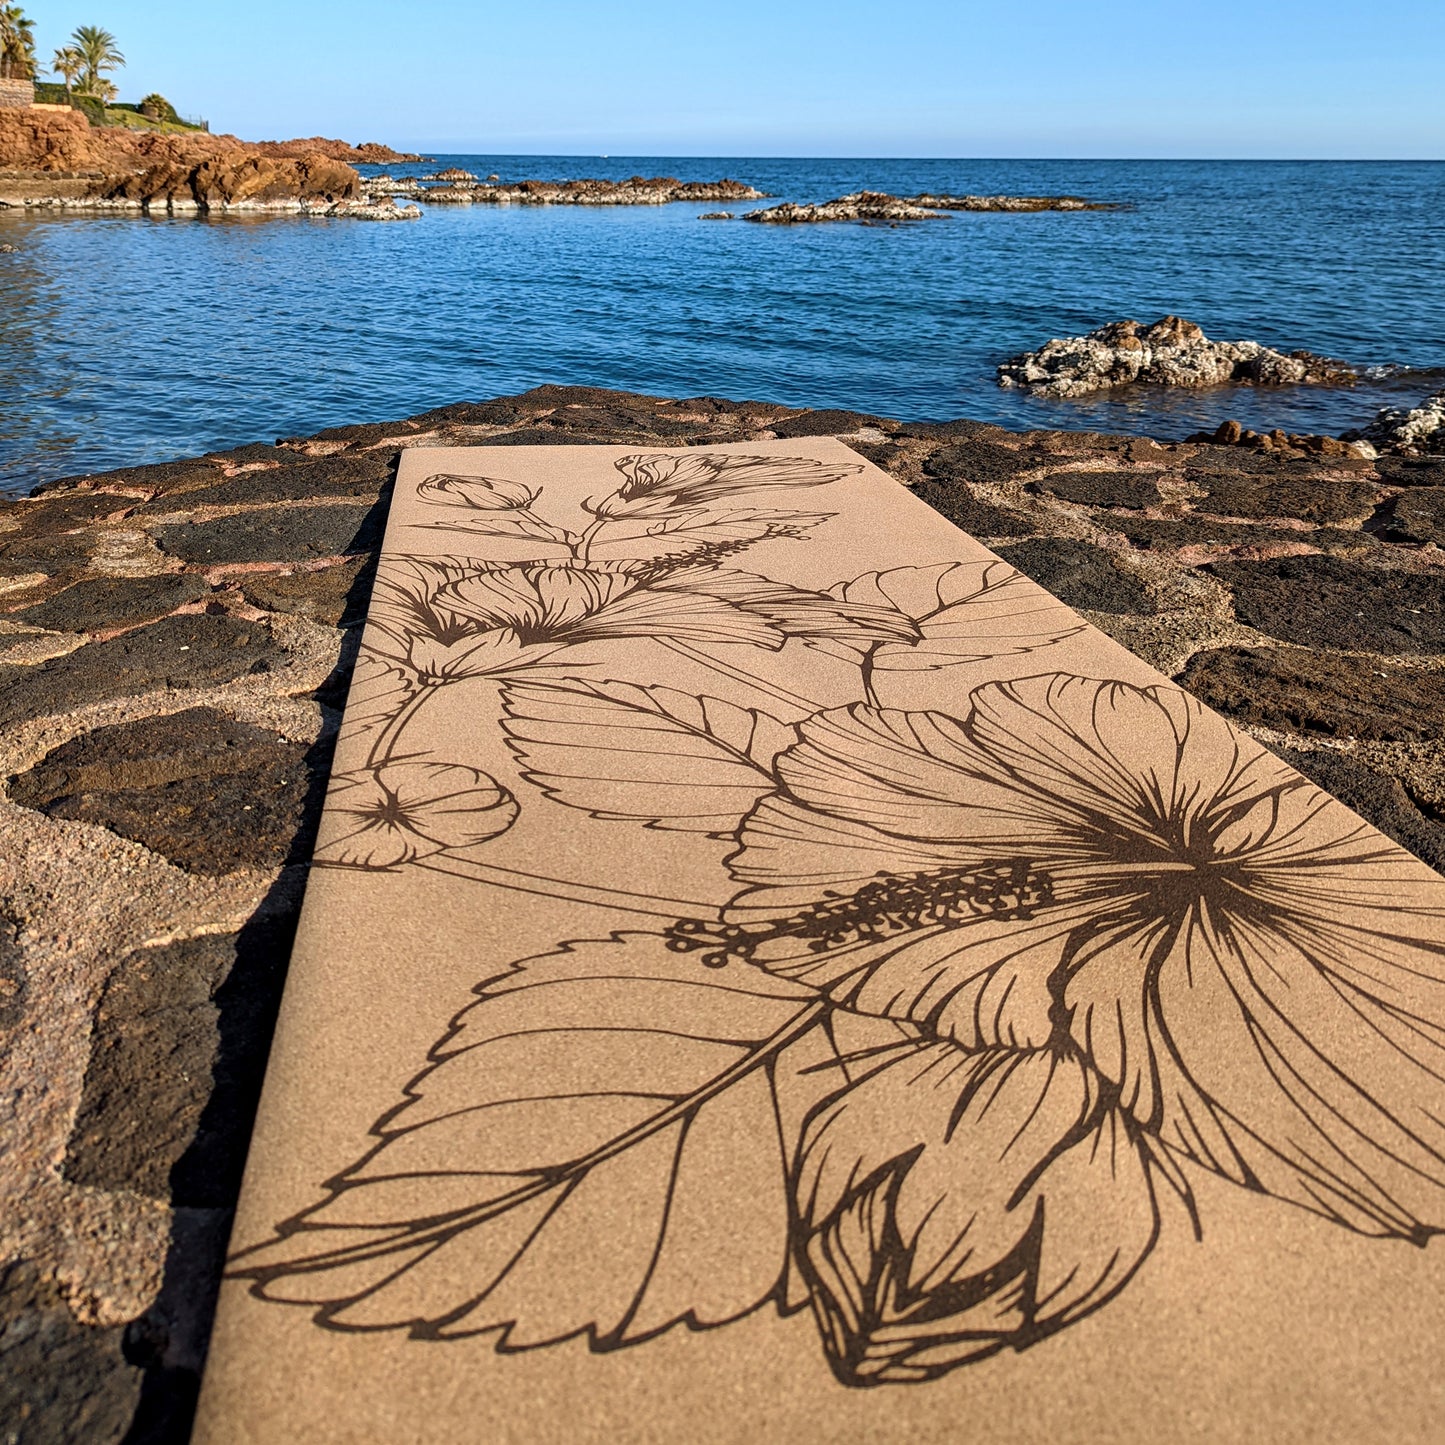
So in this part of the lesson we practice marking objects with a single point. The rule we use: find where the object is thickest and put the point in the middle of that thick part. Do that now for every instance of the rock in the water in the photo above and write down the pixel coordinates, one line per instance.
(1410, 431)
(716, 216)
(1013, 203)
(1284, 444)
(859, 206)
(461, 188)
(1171, 352)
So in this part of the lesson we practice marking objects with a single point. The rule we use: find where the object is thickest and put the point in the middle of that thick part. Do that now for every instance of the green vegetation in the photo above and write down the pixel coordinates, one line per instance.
(98, 54)
(68, 64)
(84, 67)
(17, 43)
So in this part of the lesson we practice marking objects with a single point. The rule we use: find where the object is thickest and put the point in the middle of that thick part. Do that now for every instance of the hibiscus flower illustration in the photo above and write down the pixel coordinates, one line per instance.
(1115, 925)
(661, 484)
(446, 621)
(411, 809)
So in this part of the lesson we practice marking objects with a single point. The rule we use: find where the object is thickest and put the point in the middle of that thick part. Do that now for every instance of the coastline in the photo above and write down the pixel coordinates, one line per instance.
(177, 640)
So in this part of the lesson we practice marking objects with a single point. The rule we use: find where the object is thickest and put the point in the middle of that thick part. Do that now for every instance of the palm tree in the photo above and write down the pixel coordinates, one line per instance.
(17, 43)
(98, 53)
(68, 65)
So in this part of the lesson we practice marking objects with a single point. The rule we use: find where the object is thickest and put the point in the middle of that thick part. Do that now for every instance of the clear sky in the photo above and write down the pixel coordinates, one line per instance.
(958, 78)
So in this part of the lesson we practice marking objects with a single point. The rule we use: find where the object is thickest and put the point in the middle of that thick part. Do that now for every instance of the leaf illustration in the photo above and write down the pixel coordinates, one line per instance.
(964, 611)
(516, 526)
(556, 1170)
(615, 750)
(822, 618)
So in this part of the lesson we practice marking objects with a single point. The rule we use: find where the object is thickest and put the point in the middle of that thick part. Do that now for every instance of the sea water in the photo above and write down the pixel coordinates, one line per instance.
(129, 339)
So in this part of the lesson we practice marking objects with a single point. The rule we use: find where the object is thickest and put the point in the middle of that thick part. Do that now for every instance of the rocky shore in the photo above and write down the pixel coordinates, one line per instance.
(175, 644)
(1170, 352)
(55, 160)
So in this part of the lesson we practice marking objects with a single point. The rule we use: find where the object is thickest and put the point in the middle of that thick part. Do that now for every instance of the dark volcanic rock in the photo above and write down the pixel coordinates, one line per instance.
(363, 476)
(158, 477)
(588, 422)
(12, 975)
(1412, 471)
(981, 461)
(1419, 516)
(823, 423)
(1104, 489)
(1378, 799)
(80, 509)
(184, 651)
(60, 1381)
(978, 518)
(170, 1017)
(281, 534)
(546, 436)
(1309, 498)
(208, 792)
(55, 552)
(1081, 575)
(960, 430)
(1334, 603)
(103, 603)
(1307, 692)
(336, 596)
(1165, 534)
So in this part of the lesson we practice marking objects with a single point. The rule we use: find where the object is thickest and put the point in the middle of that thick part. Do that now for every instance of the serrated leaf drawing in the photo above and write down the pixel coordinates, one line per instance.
(655, 755)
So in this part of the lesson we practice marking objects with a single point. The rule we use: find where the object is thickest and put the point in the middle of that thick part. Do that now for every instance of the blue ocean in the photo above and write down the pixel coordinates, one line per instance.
(129, 339)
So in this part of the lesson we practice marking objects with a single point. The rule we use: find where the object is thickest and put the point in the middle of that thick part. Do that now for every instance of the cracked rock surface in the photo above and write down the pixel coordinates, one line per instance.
(174, 648)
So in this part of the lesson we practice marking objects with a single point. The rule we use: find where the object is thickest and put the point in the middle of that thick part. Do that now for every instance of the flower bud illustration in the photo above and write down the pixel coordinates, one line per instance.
(479, 494)
(953, 1205)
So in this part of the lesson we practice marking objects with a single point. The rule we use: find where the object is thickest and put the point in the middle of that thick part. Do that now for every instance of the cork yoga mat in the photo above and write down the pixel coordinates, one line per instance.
(772, 971)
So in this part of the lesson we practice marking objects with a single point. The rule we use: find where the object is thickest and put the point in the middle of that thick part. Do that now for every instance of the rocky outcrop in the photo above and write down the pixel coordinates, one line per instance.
(56, 159)
(1013, 203)
(1414, 431)
(371, 153)
(458, 187)
(1285, 444)
(859, 206)
(880, 206)
(1171, 352)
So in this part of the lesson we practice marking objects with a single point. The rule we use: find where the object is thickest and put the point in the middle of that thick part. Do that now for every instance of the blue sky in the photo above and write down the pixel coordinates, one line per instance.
(1328, 78)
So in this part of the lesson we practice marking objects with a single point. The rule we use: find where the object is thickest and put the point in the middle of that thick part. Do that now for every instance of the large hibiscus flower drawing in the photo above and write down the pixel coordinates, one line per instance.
(991, 987)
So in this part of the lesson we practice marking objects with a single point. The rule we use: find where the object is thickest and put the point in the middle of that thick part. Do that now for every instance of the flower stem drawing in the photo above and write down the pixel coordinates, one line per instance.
(983, 989)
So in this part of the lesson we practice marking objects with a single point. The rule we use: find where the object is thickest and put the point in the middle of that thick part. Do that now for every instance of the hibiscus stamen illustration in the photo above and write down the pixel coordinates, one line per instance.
(892, 904)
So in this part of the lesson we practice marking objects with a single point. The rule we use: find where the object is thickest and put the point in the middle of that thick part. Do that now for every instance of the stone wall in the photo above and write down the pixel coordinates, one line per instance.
(175, 645)
(16, 94)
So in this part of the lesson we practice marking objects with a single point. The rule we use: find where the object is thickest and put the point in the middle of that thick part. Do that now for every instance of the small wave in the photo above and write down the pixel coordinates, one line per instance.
(1393, 371)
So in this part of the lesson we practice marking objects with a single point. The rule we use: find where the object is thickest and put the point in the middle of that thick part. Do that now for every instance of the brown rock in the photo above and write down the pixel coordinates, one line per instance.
(208, 792)
(182, 651)
(1293, 690)
(336, 596)
(1333, 603)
